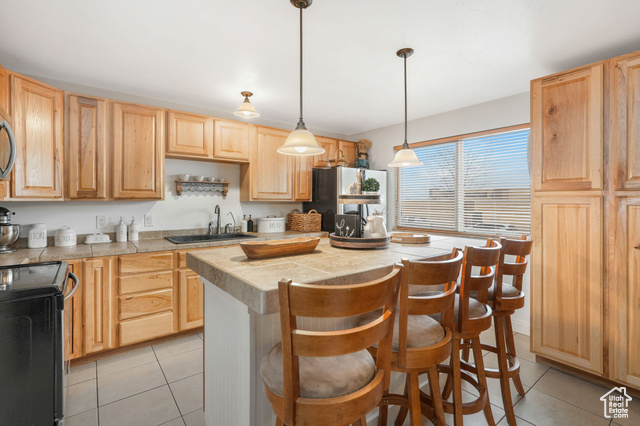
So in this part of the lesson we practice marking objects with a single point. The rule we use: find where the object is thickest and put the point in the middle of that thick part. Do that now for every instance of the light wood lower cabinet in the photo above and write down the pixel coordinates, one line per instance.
(73, 313)
(98, 304)
(567, 299)
(191, 300)
(624, 308)
(37, 111)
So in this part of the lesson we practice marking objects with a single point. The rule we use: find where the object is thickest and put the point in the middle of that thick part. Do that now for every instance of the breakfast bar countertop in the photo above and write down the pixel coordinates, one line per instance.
(255, 282)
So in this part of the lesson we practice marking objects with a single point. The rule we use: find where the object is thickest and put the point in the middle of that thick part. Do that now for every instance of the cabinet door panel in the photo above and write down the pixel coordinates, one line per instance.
(191, 300)
(330, 147)
(271, 173)
(73, 312)
(567, 130)
(87, 177)
(232, 140)
(625, 296)
(626, 74)
(5, 98)
(349, 150)
(189, 135)
(138, 153)
(567, 280)
(98, 305)
(37, 115)
(302, 178)
(145, 304)
(145, 328)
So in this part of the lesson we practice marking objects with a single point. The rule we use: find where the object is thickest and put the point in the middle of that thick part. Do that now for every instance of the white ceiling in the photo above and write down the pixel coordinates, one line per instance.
(204, 52)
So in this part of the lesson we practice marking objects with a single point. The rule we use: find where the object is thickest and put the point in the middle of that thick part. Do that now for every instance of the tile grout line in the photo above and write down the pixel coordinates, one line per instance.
(167, 381)
(97, 394)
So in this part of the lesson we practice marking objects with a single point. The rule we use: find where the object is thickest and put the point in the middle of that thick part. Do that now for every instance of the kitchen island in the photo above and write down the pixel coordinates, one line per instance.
(241, 313)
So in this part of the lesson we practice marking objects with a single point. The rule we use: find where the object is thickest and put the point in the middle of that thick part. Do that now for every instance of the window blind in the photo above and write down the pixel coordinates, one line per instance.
(476, 185)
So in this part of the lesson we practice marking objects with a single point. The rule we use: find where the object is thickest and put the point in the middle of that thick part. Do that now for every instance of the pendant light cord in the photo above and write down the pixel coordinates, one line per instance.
(405, 99)
(301, 122)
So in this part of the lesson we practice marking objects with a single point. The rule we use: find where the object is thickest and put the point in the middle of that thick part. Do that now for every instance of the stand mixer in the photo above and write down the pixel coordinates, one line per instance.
(9, 233)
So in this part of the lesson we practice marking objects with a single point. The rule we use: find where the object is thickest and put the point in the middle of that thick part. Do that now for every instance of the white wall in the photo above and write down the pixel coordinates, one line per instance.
(191, 210)
(489, 115)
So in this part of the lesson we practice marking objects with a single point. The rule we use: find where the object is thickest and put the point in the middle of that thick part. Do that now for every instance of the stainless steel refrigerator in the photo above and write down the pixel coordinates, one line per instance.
(329, 183)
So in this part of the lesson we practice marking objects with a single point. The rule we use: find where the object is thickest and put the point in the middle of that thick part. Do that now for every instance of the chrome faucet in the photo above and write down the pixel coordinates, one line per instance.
(226, 228)
(216, 211)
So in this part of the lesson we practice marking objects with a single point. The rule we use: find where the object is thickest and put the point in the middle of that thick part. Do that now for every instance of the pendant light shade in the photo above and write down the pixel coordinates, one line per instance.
(301, 142)
(246, 109)
(405, 157)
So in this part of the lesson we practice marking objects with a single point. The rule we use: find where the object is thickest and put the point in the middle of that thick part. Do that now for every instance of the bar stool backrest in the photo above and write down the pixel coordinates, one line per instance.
(520, 249)
(334, 301)
(487, 259)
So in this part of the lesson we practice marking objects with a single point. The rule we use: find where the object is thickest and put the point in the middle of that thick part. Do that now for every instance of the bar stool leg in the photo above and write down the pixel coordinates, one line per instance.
(434, 386)
(511, 350)
(482, 378)
(402, 414)
(465, 350)
(414, 400)
(457, 382)
(279, 422)
(503, 367)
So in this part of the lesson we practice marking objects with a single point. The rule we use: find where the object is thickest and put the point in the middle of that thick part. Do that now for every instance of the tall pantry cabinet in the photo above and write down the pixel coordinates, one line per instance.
(585, 135)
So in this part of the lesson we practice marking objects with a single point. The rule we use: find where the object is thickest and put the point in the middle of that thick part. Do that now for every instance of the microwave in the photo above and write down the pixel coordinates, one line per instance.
(7, 146)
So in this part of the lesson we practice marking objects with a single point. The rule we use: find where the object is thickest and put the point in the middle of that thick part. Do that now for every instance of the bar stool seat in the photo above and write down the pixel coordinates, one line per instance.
(325, 377)
(477, 309)
(422, 330)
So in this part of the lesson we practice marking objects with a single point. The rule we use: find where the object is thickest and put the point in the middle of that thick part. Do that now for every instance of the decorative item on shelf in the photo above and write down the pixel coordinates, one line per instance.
(246, 109)
(277, 248)
(362, 147)
(375, 227)
(184, 178)
(192, 186)
(305, 222)
(405, 157)
(410, 238)
(370, 186)
(198, 178)
(339, 161)
(348, 225)
(358, 243)
(301, 142)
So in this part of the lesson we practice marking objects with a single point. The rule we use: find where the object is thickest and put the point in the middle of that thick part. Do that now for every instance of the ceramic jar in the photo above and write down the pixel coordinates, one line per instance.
(65, 237)
(37, 236)
(375, 227)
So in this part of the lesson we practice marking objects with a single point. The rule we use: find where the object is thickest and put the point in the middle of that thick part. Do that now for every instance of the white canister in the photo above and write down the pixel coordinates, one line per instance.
(37, 236)
(65, 237)
(271, 224)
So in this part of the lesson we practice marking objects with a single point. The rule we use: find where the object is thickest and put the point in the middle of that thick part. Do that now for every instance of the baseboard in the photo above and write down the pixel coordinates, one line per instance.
(520, 326)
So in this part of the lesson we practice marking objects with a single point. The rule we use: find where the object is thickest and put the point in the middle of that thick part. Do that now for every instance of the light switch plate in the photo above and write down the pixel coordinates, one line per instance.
(148, 220)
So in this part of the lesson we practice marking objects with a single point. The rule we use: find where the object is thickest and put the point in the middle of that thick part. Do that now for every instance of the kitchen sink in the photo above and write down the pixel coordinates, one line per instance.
(186, 239)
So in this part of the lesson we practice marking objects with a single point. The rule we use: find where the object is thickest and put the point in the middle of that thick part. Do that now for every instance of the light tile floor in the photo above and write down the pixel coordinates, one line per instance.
(161, 384)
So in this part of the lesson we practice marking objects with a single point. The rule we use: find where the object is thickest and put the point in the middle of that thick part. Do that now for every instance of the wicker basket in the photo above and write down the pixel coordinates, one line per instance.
(305, 222)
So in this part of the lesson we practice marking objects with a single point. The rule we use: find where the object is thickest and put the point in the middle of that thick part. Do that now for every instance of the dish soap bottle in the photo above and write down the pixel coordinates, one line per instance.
(243, 223)
(250, 224)
(121, 231)
(133, 230)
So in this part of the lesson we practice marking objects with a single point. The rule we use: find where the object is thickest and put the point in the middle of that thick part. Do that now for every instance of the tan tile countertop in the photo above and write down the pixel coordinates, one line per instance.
(80, 251)
(255, 282)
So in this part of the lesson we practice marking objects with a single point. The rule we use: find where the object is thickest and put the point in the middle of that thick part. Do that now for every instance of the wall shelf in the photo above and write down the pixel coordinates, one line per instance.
(195, 186)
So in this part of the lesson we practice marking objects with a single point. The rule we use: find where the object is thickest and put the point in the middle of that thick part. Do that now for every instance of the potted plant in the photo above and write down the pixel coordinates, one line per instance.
(370, 186)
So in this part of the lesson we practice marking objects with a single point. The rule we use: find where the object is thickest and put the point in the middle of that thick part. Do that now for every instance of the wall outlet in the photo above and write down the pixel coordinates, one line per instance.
(101, 221)
(148, 220)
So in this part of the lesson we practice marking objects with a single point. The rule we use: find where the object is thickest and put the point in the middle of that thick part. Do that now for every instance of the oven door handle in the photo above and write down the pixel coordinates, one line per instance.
(76, 283)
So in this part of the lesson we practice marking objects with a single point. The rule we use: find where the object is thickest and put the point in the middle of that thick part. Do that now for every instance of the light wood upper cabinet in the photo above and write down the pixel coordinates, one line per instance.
(330, 147)
(231, 140)
(99, 331)
(626, 119)
(73, 314)
(87, 165)
(303, 178)
(269, 176)
(5, 93)
(567, 283)
(138, 152)
(350, 151)
(189, 135)
(624, 305)
(38, 120)
(567, 130)
(191, 300)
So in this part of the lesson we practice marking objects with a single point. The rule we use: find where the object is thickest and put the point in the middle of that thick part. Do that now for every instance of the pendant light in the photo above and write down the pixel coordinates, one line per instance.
(246, 109)
(405, 157)
(301, 142)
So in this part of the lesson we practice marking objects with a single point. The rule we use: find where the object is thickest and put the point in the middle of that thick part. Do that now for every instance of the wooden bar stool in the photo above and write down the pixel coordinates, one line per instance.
(472, 317)
(504, 299)
(328, 377)
(420, 342)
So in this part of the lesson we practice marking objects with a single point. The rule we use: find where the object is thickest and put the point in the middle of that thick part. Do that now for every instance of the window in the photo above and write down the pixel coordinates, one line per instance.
(475, 185)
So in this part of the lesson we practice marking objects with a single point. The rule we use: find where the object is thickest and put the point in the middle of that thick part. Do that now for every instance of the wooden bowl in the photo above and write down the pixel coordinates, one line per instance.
(278, 248)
